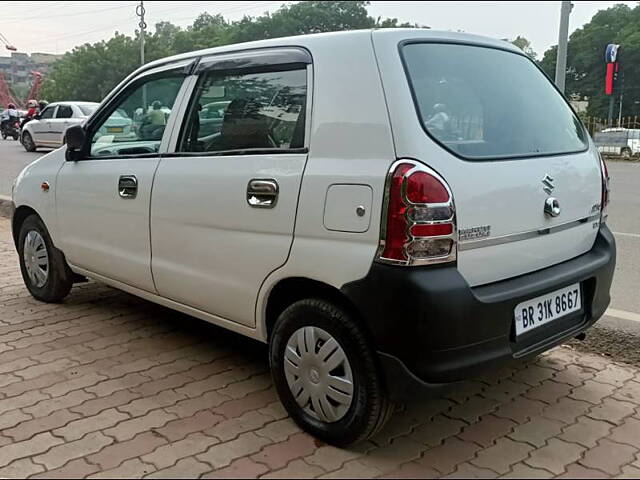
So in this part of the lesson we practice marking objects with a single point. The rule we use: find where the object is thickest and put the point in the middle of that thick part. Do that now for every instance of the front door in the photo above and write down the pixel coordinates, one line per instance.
(224, 205)
(42, 127)
(103, 200)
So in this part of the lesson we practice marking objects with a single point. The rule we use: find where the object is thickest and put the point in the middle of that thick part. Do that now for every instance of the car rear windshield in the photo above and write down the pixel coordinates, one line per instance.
(87, 109)
(486, 103)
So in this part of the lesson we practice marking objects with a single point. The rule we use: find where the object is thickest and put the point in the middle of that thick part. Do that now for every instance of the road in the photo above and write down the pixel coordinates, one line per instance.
(624, 220)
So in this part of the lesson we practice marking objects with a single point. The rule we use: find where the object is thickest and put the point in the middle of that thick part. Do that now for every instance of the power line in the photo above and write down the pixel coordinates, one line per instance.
(66, 15)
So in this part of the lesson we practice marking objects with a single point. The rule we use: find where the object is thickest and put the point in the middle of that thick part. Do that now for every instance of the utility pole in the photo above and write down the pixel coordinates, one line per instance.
(561, 60)
(140, 11)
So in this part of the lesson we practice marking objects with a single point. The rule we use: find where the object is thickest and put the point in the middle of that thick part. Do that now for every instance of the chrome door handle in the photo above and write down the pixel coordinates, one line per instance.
(262, 193)
(128, 186)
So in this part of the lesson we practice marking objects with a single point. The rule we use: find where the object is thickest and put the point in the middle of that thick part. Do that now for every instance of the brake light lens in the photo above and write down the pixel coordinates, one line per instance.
(419, 227)
(606, 190)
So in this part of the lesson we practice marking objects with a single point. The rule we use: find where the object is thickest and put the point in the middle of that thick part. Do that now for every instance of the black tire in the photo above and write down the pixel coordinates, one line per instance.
(59, 277)
(16, 136)
(28, 143)
(4, 135)
(370, 408)
(626, 153)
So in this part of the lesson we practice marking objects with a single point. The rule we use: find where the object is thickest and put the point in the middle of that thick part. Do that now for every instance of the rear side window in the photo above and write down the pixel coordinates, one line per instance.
(247, 111)
(485, 103)
(64, 111)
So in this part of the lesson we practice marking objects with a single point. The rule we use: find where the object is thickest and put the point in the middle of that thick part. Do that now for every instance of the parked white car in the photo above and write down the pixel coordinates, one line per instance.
(390, 210)
(49, 127)
(624, 142)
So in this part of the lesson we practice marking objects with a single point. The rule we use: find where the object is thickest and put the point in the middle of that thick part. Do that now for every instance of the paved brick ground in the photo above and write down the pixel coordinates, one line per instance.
(107, 385)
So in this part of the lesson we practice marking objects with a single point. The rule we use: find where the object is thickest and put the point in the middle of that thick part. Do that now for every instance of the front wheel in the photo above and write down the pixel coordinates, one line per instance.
(626, 153)
(4, 135)
(44, 269)
(28, 143)
(325, 373)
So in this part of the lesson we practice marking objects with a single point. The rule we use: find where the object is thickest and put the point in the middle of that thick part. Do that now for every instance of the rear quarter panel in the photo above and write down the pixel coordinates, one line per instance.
(350, 143)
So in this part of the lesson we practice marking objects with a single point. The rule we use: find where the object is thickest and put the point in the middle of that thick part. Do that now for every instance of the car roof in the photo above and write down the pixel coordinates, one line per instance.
(389, 34)
(53, 104)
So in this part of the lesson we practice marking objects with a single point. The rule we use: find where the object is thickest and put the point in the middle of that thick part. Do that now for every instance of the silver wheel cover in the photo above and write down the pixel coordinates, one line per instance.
(36, 259)
(318, 374)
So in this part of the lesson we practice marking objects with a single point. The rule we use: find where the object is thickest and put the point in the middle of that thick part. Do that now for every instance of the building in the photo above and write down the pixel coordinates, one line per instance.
(18, 67)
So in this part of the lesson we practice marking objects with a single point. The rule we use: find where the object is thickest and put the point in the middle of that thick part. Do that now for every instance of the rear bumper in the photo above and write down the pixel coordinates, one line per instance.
(431, 328)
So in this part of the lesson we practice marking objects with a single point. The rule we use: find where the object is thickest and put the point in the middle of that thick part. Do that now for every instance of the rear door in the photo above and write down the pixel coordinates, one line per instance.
(60, 122)
(489, 122)
(224, 204)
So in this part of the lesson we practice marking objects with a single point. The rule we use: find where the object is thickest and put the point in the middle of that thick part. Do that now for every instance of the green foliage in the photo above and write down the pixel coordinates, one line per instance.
(90, 71)
(586, 66)
(525, 45)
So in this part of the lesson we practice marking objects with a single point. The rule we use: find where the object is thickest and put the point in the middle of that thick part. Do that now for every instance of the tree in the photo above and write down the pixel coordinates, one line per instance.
(525, 45)
(90, 71)
(586, 67)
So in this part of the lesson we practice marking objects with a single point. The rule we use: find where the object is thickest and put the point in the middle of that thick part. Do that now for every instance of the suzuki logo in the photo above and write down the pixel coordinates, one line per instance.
(547, 183)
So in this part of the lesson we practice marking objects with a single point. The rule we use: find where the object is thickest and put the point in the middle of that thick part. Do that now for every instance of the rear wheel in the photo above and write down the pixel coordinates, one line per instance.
(4, 135)
(626, 153)
(44, 269)
(16, 136)
(325, 373)
(28, 143)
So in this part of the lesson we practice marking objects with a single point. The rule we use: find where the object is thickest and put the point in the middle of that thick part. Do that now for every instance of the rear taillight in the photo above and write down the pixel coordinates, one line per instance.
(418, 226)
(604, 199)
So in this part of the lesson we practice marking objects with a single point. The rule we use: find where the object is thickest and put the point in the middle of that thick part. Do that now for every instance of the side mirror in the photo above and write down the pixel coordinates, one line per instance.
(76, 138)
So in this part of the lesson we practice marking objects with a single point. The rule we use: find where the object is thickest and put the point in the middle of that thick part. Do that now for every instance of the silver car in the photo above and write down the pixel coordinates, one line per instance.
(49, 127)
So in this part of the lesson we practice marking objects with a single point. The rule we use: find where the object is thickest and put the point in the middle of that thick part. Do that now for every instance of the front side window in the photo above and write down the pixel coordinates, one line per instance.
(486, 103)
(64, 111)
(47, 113)
(137, 122)
(87, 109)
(246, 111)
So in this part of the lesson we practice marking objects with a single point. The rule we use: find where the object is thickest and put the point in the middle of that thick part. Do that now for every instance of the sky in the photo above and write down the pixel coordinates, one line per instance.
(56, 27)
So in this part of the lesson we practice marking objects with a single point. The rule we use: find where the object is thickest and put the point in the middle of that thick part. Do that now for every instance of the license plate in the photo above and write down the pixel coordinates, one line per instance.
(115, 129)
(546, 308)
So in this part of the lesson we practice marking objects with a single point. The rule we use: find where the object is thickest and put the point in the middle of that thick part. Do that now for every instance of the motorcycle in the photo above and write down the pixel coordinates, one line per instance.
(10, 128)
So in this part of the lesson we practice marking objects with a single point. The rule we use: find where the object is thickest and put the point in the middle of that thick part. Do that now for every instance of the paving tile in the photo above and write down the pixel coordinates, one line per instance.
(502, 455)
(434, 432)
(277, 431)
(522, 470)
(447, 456)
(115, 454)
(167, 455)
(586, 431)
(413, 470)
(201, 421)
(61, 454)
(537, 431)
(185, 468)
(296, 469)
(223, 454)
(488, 430)
(578, 471)
(468, 470)
(29, 428)
(592, 391)
(240, 468)
(128, 429)
(354, 469)
(566, 410)
(130, 469)
(612, 410)
(548, 391)
(609, 457)
(628, 433)
(331, 458)
(555, 456)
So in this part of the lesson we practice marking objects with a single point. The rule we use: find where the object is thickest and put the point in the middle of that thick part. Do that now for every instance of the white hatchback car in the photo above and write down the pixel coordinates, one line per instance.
(390, 210)
(49, 126)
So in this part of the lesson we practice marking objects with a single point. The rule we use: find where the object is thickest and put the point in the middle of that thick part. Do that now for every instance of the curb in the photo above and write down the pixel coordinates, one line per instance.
(6, 206)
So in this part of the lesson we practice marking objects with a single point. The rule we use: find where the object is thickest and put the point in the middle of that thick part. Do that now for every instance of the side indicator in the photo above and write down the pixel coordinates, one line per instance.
(45, 186)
